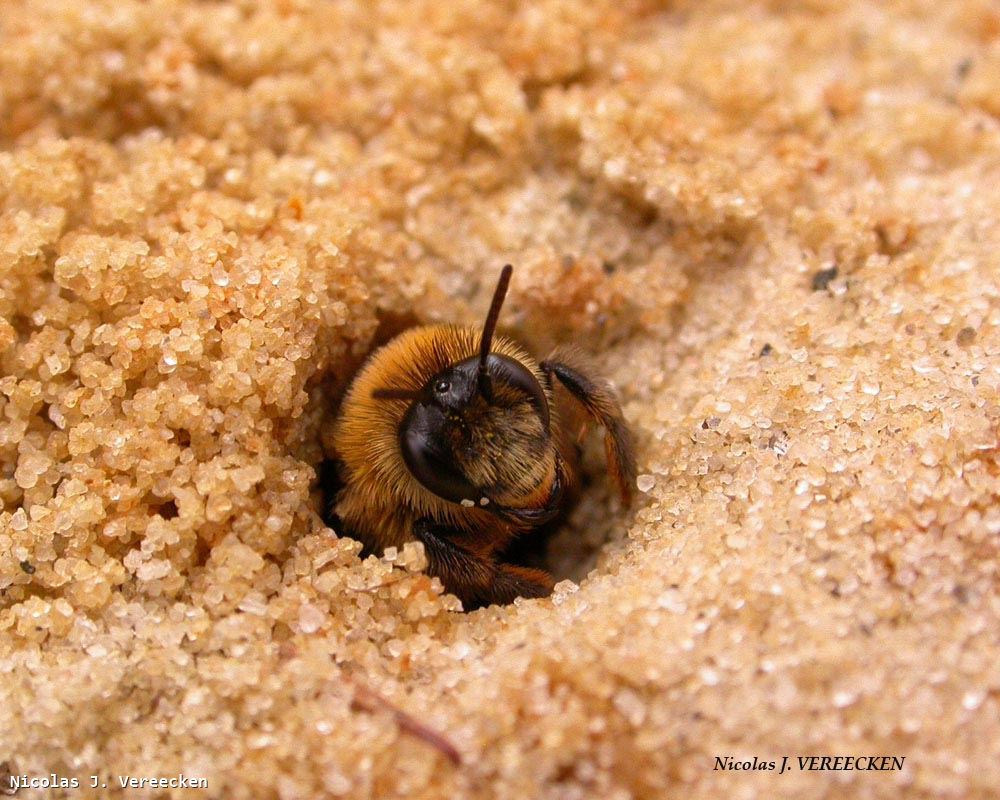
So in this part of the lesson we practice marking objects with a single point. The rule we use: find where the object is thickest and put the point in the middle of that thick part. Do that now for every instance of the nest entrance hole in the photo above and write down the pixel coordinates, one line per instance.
(568, 547)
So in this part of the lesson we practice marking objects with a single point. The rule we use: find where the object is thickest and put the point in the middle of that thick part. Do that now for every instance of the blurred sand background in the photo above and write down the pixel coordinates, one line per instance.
(775, 224)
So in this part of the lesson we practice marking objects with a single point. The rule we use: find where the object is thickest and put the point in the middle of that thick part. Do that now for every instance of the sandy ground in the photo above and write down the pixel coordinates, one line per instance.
(774, 224)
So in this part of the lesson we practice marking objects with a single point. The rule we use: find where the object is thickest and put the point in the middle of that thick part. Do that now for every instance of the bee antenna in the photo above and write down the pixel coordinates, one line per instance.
(483, 376)
(395, 394)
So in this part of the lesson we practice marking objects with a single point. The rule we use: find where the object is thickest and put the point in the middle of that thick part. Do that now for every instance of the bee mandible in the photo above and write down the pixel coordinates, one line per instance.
(458, 438)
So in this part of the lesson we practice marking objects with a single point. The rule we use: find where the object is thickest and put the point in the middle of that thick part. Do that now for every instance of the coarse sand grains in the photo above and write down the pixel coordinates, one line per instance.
(775, 224)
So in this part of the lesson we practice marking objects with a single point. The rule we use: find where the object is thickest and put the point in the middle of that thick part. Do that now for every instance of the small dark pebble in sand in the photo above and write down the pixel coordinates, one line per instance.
(821, 279)
(7, 773)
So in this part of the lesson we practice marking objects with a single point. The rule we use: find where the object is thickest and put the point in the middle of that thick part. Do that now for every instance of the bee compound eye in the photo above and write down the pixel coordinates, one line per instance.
(427, 454)
(516, 375)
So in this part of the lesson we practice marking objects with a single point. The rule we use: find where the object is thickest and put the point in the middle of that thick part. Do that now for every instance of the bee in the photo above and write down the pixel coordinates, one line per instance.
(458, 438)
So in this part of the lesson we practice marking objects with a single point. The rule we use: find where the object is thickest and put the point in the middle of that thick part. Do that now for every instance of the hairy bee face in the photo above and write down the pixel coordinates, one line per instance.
(480, 441)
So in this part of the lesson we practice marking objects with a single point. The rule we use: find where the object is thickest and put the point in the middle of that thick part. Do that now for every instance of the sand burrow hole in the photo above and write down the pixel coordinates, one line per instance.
(569, 546)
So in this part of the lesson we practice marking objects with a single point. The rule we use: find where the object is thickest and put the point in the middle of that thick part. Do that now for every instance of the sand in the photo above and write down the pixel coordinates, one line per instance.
(773, 224)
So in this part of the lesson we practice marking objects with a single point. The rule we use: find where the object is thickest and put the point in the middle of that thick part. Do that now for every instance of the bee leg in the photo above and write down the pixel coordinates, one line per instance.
(477, 580)
(513, 582)
(598, 400)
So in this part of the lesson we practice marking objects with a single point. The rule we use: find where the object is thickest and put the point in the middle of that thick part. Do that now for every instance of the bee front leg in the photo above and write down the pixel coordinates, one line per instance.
(598, 400)
(477, 580)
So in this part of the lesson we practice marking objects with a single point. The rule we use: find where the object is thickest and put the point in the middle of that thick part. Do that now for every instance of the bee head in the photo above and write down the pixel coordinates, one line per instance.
(477, 433)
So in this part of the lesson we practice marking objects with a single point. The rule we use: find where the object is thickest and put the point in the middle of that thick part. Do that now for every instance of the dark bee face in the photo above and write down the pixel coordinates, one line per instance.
(475, 441)
(477, 433)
